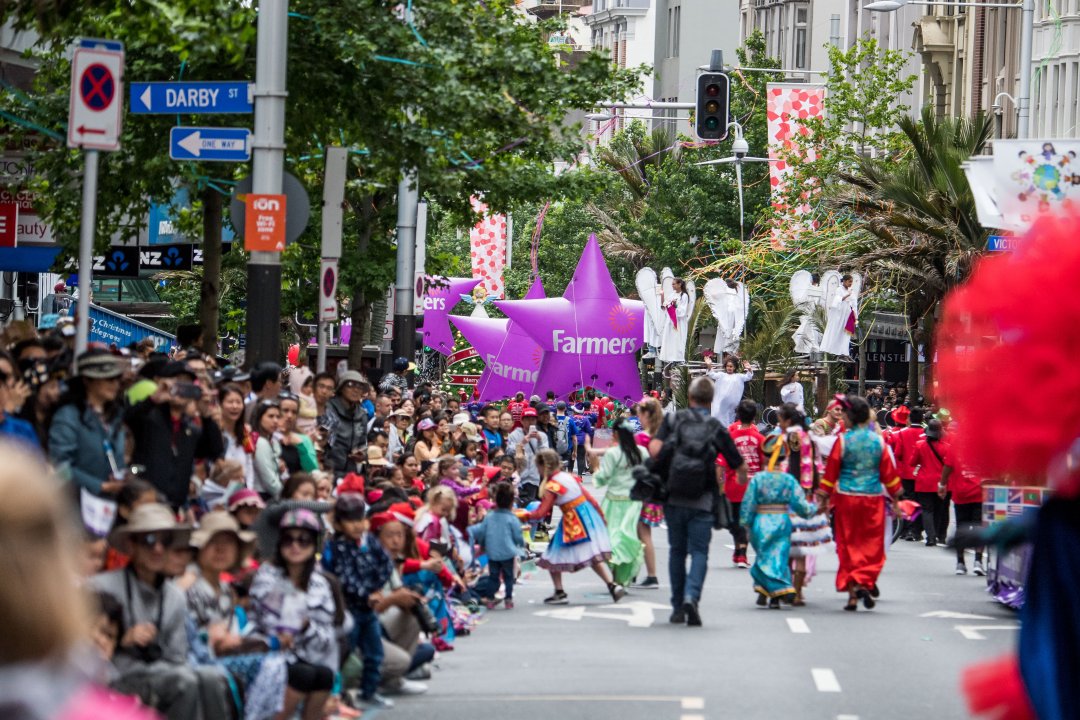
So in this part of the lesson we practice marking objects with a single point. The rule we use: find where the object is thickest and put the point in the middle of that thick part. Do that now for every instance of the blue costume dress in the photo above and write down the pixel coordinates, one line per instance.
(769, 498)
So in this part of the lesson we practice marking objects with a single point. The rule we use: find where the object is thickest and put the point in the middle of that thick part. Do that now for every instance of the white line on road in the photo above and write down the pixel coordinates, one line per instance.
(971, 632)
(847, 717)
(825, 679)
(693, 703)
(950, 615)
(692, 717)
(798, 625)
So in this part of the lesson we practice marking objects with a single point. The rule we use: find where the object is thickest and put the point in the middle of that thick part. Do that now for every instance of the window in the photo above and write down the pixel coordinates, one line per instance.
(675, 32)
(800, 48)
(834, 31)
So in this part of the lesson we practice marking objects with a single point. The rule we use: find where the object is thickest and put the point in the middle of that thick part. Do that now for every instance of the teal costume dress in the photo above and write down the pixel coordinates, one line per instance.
(769, 498)
(621, 514)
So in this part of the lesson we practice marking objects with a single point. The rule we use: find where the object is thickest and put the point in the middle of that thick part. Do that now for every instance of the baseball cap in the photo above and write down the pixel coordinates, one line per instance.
(425, 424)
(528, 412)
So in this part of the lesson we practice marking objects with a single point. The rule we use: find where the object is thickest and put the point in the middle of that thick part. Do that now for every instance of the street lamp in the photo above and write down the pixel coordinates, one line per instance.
(1023, 99)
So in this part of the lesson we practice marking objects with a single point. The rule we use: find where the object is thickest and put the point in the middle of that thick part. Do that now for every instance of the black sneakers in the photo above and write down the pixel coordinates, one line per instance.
(559, 598)
(693, 617)
(678, 617)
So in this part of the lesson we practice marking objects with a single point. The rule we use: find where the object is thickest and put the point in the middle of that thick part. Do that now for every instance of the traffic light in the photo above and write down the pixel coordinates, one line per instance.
(711, 113)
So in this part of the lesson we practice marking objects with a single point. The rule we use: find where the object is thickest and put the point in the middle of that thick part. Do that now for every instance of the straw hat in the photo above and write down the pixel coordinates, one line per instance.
(150, 518)
(375, 456)
(215, 523)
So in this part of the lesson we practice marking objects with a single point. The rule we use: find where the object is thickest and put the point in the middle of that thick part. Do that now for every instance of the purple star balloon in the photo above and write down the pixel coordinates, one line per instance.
(511, 358)
(589, 336)
(440, 296)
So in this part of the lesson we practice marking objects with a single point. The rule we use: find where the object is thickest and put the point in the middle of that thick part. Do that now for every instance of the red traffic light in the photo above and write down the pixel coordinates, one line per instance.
(712, 90)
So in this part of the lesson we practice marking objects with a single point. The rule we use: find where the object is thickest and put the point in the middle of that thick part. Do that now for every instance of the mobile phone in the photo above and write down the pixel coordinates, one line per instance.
(187, 390)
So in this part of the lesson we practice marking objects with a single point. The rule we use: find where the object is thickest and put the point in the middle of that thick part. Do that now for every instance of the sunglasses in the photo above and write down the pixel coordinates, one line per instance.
(301, 540)
(287, 396)
(165, 539)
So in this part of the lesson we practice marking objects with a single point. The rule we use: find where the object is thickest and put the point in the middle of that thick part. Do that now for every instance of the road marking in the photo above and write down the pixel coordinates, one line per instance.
(798, 626)
(972, 632)
(691, 717)
(642, 614)
(847, 717)
(825, 680)
(949, 615)
(693, 703)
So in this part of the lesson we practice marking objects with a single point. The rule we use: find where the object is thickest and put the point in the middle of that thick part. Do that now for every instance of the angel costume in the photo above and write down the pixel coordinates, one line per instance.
(728, 393)
(677, 321)
(841, 322)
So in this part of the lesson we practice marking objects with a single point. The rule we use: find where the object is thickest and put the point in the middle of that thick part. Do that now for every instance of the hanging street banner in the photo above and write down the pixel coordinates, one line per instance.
(191, 98)
(210, 144)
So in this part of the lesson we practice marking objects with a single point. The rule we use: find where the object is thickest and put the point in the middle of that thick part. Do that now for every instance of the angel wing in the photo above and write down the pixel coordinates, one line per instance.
(742, 308)
(715, 291)
(646, 284)
(856, 289)
(830, 283)
(800, 283)
(667, 280)
(691, 291)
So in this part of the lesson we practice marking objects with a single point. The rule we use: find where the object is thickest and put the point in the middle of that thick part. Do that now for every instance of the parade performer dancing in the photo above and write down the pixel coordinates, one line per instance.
(859, 466)
(581, 538)
(987, 339)
(764, 510)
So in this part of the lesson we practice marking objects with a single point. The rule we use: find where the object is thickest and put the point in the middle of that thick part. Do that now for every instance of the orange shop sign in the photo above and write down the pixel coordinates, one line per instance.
(264, 223)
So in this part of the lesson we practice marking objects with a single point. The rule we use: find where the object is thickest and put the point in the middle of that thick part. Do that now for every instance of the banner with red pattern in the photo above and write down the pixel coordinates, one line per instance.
(487, 241)
(789, 106)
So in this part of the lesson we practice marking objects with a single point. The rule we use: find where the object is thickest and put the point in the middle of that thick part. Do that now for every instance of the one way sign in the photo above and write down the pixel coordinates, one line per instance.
(210, 144)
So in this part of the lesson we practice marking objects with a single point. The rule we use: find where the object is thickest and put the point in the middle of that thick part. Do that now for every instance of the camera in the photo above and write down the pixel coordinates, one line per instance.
(424, 617)
(150, 653)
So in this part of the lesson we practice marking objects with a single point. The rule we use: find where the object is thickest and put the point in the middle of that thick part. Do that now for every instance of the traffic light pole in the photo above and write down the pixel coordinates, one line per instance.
(268, 154)
(404, 342)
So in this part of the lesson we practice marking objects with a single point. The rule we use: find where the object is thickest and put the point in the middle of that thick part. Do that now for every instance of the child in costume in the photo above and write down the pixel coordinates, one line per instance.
(581, 538)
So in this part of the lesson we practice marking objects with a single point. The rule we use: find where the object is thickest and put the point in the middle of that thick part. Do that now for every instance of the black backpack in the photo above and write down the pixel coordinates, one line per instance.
(692, 472)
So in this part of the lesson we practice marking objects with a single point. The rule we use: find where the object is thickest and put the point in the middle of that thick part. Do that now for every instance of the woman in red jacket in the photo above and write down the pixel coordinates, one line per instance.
(967, 497)
(931, 456)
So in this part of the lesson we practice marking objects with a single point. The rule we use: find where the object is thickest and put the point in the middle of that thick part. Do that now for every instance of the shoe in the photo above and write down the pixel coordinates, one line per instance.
(979, 569)
(491, 604)
(742, 562)
(377, 701)
(441, 645)
(931, 543)
(774, 603)
(421, 673)
(559, 598)
(908, 538)
(867, 600)
(649, 583)
(852, 604)
(961, 569)
(678, 617)
(508, 604)
(875, 592)
(618, 592)
(406, 687)
(693, 617)
(762, 600)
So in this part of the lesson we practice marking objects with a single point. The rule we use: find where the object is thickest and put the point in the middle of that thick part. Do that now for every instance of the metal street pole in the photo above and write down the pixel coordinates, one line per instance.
(86, 250)
(332, 213)
(1023, 102)
(404, 343)
(264, 268)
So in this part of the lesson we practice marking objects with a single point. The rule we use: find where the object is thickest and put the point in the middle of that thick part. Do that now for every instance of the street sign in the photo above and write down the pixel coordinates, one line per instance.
(9, 224)
(264, 223)
(299, 206)
(210, 144)
(1001, 243)
(95, 110)
(191, 98)
(328, 309)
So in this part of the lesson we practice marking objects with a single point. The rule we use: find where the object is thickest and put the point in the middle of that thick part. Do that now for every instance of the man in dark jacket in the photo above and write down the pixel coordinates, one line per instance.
(347, 421)
(171, 429)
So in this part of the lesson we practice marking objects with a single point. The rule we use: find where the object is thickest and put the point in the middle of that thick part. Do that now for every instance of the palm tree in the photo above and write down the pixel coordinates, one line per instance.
(920, 233)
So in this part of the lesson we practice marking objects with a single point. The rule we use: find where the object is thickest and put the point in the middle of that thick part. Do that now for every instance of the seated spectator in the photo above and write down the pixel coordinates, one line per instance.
(294, 610)
(152, 659)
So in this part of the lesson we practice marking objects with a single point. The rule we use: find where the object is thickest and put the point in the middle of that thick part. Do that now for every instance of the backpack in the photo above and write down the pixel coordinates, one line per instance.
(562, 436)
(692, 472)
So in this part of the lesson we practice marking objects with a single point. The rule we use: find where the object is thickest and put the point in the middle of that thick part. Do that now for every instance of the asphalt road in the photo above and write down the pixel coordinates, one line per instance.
(600, 661)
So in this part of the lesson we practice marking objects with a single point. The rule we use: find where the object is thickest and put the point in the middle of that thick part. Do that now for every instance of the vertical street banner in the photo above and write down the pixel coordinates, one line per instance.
(487, 242)
(788, 106)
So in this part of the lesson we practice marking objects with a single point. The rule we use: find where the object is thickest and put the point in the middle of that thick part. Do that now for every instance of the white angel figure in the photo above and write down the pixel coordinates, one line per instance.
(730, 305)
(679, 298)
(479, 298)
(807, 296)
(842, 304)
(649, 290)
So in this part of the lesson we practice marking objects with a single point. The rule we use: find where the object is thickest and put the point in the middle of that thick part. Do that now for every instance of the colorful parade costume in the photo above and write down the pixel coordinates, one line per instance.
(765, 508)
(621, 513)
(581, 538)
(859, 466)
